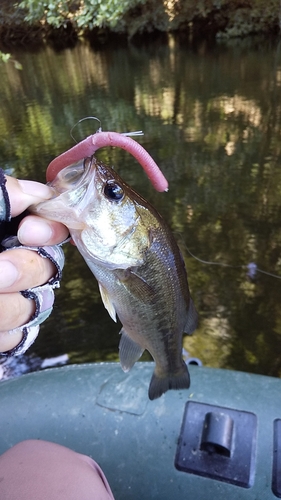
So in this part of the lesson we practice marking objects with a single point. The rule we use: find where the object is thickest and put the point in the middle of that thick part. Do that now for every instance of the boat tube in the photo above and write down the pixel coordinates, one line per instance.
(219, 439)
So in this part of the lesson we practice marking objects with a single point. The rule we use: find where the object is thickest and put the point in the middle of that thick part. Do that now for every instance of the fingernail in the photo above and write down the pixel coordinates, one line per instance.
(33, 232)
(8, 274)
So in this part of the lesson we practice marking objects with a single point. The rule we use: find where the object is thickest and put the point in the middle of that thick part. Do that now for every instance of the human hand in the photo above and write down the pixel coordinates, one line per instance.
(20, 268)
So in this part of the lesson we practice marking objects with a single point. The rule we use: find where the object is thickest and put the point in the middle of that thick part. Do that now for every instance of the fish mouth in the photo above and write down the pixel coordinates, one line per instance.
(74, 176)
(71, 188)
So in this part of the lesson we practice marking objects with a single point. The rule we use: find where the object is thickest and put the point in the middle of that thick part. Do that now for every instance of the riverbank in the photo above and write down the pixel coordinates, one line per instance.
(67, 20)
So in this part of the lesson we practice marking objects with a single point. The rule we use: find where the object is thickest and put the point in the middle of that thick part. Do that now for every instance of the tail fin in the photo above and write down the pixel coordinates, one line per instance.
(160, 385)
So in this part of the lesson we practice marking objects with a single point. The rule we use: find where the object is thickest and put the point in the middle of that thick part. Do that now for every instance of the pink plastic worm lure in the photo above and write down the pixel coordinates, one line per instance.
(88, 146)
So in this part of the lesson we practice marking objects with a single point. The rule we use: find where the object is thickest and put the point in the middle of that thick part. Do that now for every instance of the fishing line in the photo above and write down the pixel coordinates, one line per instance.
(127, 134)
(269, 274)
(223, 264)
(82, 120)
(251, 267)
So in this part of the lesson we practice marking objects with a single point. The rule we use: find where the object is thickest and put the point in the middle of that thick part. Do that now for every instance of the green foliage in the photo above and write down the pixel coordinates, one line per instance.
(5, 57)
(97, 13)
(227, 19)
(88, 14)
(55, 13)
(255, 16)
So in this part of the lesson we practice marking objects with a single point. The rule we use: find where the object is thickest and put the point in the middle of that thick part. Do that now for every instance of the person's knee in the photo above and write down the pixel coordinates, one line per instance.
(34, 469)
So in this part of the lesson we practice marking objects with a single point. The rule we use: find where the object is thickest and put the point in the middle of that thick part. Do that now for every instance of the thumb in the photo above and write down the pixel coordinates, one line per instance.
(23, 193)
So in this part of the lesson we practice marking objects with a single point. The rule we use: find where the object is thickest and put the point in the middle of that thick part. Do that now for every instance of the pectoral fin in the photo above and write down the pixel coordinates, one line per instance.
(107, 303)
(129, 351)
(192, 319)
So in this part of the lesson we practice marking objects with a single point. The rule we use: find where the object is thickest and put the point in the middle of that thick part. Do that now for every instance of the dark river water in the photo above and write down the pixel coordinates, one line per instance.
(211, 117)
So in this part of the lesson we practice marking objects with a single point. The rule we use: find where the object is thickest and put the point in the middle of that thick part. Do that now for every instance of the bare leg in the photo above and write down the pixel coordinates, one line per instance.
(39, 470)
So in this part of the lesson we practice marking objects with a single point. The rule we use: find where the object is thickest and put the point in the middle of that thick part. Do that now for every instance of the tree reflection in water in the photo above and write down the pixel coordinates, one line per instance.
(212, 120)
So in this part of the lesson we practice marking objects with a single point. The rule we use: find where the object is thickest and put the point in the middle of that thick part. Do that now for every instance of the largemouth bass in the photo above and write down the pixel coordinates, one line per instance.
(136, 261)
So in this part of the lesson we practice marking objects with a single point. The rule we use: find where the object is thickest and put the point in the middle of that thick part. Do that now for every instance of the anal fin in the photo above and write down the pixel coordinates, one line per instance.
(129, 351)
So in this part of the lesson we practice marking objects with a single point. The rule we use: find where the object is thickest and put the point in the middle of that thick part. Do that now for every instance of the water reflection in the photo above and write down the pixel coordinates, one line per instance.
(212, 120)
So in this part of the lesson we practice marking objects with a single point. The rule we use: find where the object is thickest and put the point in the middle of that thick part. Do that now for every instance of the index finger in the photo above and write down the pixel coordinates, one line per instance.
(24, 193)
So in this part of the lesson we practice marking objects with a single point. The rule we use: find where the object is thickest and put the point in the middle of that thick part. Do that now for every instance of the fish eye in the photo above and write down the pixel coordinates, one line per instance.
(113, 191)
